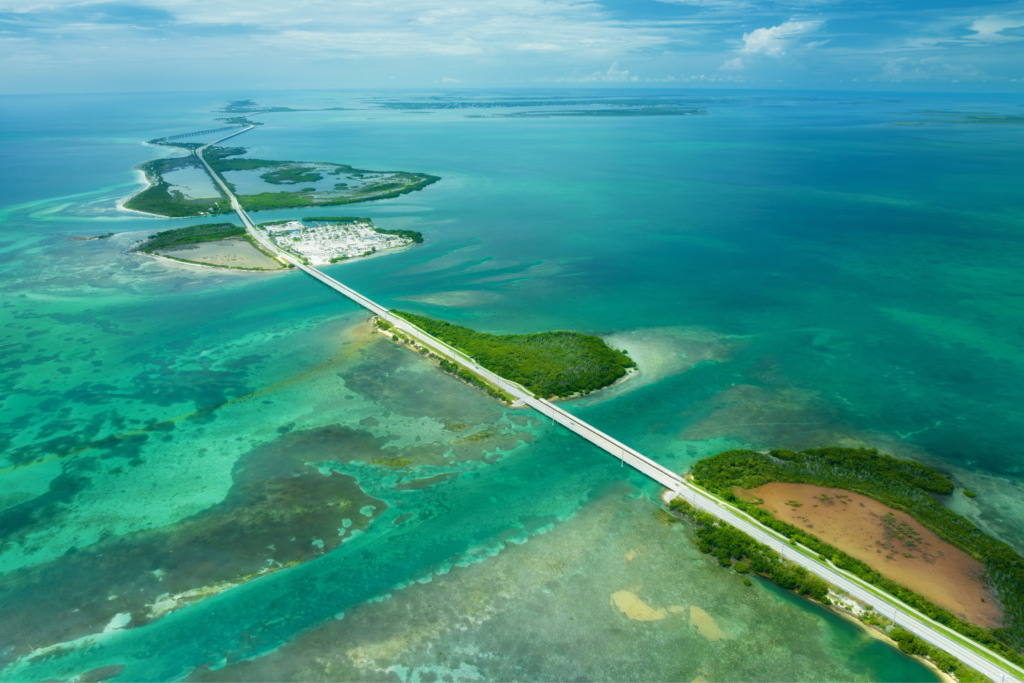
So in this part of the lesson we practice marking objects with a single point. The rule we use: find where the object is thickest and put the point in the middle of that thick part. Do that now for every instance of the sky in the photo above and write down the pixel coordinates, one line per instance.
(171, 45)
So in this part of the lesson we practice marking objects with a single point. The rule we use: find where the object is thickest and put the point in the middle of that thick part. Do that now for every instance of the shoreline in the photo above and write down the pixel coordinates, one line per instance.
(382, 252)
(630, 373)
(878, 634)
(124, 200)
(183, 262)
(872, 631)
(419, 348)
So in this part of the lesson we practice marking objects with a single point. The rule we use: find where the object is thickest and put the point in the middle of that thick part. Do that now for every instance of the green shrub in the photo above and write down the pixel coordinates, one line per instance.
(548, 363)
(900, 484)
(193, 234)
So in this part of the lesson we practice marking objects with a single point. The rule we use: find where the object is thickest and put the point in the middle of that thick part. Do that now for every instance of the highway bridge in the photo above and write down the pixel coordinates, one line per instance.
(969, 652)
(199, 132)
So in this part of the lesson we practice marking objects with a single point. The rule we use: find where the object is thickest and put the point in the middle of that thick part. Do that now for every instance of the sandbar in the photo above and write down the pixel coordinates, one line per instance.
(634, 608)
(706, 624)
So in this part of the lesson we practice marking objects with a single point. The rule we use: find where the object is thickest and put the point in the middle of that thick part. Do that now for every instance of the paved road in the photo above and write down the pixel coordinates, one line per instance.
(908, 618)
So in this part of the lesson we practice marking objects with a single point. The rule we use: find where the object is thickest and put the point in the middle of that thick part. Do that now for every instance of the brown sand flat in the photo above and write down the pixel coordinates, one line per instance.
(227, 252)
(862, 528)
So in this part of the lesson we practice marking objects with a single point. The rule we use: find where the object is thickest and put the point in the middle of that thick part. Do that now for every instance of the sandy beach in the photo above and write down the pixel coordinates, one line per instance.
(145, 182)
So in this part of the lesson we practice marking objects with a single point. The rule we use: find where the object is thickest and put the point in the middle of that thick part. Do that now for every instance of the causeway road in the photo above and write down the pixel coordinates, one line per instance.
(972, 654)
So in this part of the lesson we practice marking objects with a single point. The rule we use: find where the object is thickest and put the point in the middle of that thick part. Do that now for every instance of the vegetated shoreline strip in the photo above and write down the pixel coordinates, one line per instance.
(549, 364)
(162, 200)
(735, 549)
(900, 484)
(217, 158)
(445, 362)
(199, 234)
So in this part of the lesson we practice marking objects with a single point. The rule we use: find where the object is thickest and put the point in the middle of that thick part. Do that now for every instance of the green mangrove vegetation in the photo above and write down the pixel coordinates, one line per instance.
(901, 484)
(241, 121)
(912, 645)
(190, 236)
(161, 199)
(250, 107)
(447, 365)
(193, 234)
(373, 185)
(548, 364)
(104, 236)
(190, 146)
(733, 548)
(414, 235)
(291, 175)
(727, 543)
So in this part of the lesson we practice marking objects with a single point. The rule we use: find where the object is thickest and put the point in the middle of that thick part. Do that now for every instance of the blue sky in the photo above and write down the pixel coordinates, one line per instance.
(145, 45)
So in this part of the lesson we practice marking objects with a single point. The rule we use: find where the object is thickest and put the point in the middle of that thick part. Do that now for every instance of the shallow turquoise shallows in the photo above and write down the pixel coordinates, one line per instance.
(789, 270)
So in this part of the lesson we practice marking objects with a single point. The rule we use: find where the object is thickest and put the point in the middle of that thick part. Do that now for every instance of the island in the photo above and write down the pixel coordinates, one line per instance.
(313, 241)
(881, 519)
(320, 241)
(549, 364)
(216, 245)
(89, 238)
(181, 186)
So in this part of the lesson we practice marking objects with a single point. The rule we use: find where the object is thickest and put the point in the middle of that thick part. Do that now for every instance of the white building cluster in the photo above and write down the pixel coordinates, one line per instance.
(323, 243)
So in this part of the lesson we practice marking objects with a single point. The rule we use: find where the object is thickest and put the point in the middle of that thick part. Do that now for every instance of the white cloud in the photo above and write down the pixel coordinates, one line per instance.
(612, 75)
(541, 47)
(732, 65)
(990, 29)
(775, 40)
(372, 28)
(450, 80)
(698, 78)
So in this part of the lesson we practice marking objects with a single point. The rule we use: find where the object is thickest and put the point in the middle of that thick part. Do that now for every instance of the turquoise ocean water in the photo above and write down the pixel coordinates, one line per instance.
(790, 271)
